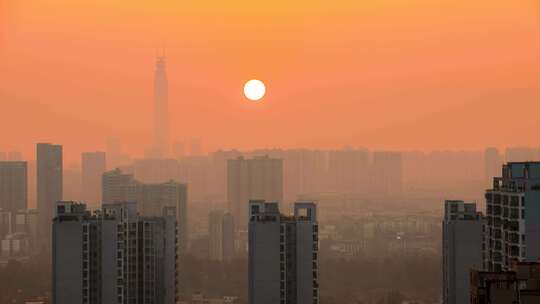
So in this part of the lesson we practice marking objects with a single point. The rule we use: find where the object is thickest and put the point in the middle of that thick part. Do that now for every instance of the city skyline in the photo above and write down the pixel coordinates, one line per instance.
(367, 74)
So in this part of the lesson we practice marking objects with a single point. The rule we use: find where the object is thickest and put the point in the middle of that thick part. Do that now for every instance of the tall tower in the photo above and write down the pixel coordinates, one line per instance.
(49, 188)
(161, 109)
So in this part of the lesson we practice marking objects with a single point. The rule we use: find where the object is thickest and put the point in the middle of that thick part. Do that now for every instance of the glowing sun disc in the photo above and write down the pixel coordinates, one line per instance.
(254, 89)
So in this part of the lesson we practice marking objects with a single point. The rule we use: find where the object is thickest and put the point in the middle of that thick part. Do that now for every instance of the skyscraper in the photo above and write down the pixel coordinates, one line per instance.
(13, 188)
(161, 109)
(49, 187)
(283, 254)
(513, 216)
(221, 236)
(93, 166)
(463, 243)
(259, 178)
(113, 256)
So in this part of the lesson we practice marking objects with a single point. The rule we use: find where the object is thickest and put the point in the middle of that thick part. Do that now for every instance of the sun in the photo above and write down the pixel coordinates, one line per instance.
(254, 89)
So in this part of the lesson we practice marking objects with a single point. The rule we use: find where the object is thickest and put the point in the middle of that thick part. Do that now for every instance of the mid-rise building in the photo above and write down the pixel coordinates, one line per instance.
(113, 255)
(283, 254)
(259, 178)
(221, 240)
(513, 216)
(93, 165)
(49, 188)
(463, 242)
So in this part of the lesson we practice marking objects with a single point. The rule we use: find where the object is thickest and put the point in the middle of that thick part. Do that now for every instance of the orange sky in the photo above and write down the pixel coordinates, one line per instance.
(387, 74)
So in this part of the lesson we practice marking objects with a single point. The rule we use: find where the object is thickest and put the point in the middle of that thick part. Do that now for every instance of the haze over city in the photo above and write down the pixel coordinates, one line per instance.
(383, 74)
(269, 152)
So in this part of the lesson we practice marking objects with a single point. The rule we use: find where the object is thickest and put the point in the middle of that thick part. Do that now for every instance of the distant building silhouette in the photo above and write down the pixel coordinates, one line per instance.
(492, 164)
(283, 254)
(49, 187)
(387, 173)
(161, 109)
(113, 256)
(463, 243)
(221, 236)
(93, 165)
(13, 188)
(259, 178)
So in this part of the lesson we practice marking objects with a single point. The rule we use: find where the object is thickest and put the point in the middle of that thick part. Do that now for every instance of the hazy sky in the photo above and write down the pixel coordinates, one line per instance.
(407, 74)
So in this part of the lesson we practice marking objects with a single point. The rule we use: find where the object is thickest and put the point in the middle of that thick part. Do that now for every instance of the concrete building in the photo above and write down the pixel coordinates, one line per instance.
(283, 254)
(93, 165)
(521, 285)
(463, 242)
(259, 178)
(13, 187)
(221, 236)
(113, 255)
(513, 216)
(49, 188)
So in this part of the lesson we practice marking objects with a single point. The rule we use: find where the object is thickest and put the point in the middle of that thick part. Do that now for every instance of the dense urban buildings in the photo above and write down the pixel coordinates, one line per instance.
(221, 236)
(93, 165)
(113, 255)
(283, 254)
(463, 243)
(513, 216)
(49, 188)
(259, 178)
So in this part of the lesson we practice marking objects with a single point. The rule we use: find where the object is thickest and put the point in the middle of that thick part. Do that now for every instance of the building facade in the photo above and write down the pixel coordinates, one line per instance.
(463, 242)
(283, 254)
(113, 255)
(513, 216)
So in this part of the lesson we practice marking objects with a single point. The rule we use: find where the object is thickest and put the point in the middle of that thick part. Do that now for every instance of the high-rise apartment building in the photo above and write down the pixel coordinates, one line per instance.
(283, 254)
(463, 242)
(150, 198)
(49, 187)
(221, 236)
(513, 216)
(13, 187)
(259, 178)
(387, 173)
(113, 255)
(93, 165)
